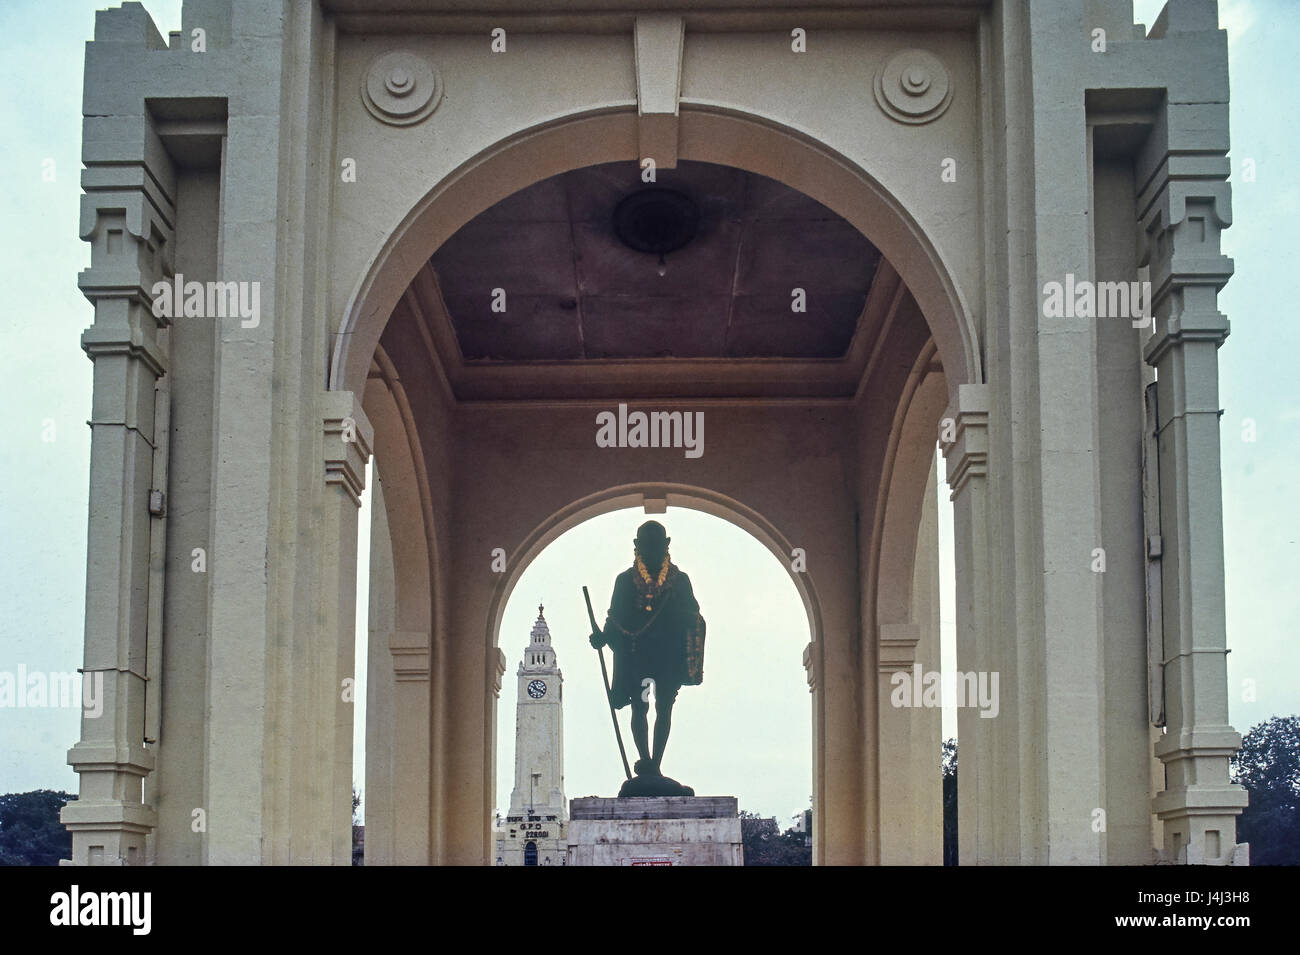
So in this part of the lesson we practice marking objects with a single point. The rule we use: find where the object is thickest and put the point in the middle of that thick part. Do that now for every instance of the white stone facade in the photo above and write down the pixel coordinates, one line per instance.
(325, 149)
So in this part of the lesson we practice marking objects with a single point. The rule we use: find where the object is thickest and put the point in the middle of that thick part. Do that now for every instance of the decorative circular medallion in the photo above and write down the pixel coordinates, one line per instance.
(913, 87)
(400, 88)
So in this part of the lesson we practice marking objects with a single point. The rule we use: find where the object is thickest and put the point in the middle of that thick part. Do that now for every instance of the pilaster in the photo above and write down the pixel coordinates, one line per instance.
(128, 216)
(910, 724)
(1184, 206)
(966, 454)
(348, 439)
(811, 654)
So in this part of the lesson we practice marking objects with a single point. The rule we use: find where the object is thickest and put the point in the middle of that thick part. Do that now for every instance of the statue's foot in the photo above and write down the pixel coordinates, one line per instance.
(646, 785)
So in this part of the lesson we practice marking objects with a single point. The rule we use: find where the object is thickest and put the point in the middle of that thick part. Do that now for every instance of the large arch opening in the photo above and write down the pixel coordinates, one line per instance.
(498, 459)
(746, 731)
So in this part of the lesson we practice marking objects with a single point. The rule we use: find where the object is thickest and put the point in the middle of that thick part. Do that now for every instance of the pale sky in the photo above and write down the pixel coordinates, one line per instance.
(746, 730)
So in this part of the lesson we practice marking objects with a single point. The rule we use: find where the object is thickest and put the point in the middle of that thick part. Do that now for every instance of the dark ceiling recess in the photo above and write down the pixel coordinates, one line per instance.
(576, 257)
(657, 221)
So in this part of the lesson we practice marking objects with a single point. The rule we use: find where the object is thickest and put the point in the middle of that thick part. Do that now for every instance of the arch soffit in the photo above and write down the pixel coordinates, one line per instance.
(908, 458)
(745, 141)
(407, 495)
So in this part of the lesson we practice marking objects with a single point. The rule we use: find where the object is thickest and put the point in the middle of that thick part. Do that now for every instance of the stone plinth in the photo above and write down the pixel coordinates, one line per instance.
(654, 830)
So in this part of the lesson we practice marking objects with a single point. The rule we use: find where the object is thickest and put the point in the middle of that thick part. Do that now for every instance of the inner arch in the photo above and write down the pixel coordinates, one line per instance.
(745, 731)
(636, 496)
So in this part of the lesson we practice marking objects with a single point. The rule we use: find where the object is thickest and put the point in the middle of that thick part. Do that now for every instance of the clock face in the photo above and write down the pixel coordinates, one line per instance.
(537, 689)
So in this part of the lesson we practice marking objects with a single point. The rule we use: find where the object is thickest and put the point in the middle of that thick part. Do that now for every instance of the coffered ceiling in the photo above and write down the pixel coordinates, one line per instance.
(539, 296)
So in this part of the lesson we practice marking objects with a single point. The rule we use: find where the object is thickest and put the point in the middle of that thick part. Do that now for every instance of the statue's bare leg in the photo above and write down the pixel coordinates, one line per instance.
(663, 722)
(663, 726)
(641, 727)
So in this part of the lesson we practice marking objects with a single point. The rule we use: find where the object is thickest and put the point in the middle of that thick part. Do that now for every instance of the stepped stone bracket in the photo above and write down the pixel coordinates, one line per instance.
(349, 440)
(810, 667)
(968, 453)
(898, 642)
(496, 669)
(410, 651)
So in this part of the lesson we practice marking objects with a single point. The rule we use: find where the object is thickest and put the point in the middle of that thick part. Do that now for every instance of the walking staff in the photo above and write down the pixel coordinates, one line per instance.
(604, 676)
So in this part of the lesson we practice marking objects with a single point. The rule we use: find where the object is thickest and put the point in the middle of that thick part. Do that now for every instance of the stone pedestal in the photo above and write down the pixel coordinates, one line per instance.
(654, 830)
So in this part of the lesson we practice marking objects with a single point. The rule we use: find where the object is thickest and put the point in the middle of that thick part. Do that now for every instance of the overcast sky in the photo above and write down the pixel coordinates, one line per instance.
(746, 730)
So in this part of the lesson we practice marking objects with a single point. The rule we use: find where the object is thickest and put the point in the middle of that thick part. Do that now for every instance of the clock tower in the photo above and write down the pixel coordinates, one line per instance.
(533, 832)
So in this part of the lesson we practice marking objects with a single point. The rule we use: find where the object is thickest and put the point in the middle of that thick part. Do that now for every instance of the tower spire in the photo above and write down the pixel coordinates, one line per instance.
(541, 629)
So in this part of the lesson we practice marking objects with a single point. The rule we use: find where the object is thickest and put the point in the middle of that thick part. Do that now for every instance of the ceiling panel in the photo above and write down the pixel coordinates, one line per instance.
(574, 291)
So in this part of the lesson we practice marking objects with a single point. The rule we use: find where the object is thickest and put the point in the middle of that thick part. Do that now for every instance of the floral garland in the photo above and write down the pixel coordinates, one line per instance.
(645, 574)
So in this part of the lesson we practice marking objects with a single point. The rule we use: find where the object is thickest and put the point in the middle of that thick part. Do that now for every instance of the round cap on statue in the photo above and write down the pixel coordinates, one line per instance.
(651, 532)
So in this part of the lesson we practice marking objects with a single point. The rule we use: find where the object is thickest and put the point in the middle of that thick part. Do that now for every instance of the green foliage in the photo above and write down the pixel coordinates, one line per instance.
(1268, 766)
(765, 844)
(30, 831)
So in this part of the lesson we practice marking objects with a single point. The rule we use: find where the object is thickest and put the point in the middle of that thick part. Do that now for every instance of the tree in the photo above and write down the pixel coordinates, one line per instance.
(30, 831)
(949, 763)
(765, 844)
(1268, 766)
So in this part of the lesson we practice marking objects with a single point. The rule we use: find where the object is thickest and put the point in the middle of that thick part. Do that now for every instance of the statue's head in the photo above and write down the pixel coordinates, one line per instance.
(652, 544)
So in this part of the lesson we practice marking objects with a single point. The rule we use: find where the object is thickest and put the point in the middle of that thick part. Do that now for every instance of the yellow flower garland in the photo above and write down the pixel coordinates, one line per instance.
(645, 574)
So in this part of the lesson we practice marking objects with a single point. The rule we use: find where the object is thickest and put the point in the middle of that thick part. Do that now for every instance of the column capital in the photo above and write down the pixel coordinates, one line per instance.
(963, 431)
(496, 670)
(810, 666)
(348, 440)
(128, 209)
(1182, 210)
(128, 215)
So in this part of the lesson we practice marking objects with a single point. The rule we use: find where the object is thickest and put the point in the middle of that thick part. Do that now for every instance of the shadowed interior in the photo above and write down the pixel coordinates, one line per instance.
(574, 291)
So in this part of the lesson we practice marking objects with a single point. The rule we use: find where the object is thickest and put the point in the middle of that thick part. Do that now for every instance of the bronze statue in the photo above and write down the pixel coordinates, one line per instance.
(656, 632)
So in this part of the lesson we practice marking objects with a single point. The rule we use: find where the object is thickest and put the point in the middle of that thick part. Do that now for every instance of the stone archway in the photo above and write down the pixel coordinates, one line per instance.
(655, 499)
(1006, 160)
(845, 781)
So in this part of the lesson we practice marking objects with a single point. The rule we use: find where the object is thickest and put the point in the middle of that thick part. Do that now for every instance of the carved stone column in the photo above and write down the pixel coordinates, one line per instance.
(967, 459)
(324, 828)
(1183, 209)
(128, 217)
(810, 658)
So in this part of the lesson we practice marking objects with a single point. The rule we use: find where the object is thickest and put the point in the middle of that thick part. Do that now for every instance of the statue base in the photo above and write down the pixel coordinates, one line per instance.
(654, 830)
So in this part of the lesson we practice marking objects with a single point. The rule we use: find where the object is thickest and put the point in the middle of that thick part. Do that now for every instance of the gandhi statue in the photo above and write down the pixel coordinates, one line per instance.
(656, 633)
